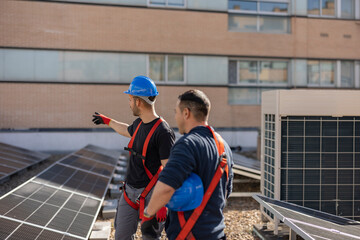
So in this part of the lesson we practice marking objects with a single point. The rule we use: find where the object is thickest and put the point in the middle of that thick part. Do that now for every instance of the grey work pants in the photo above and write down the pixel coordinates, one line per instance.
(127, 218)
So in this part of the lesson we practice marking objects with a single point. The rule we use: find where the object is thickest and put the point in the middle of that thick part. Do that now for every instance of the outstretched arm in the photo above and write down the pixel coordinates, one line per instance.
(119, 127)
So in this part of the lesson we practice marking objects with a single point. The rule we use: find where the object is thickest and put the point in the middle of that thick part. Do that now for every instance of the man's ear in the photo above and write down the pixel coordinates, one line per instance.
(186, 113)
(138, 102)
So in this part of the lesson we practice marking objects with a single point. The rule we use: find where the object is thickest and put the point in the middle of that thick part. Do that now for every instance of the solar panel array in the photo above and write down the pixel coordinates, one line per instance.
(14, 159)
(61, 202)
(311, 224)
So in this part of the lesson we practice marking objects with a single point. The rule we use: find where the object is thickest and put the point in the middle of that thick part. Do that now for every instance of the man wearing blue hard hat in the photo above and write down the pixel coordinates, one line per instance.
(149, 147)
(197, 179)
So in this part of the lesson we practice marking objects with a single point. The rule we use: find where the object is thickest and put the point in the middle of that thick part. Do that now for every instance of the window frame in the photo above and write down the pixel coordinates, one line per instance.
(258, 65)
(258, 22)
(259, 12)
(336, 7)
(340, 5)
(320, 65)
(166, 5)
(166, 80)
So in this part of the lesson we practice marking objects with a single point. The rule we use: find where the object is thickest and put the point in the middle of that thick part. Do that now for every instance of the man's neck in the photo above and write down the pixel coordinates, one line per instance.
(194, 124)
(148, 116)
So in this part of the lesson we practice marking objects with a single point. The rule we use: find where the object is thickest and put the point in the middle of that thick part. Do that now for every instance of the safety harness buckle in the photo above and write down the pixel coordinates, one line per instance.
(137, 200)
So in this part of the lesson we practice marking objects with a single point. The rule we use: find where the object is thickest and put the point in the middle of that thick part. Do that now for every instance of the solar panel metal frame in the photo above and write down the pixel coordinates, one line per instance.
(60, 188)
(246, 166)
(264, 201)
(39, 157)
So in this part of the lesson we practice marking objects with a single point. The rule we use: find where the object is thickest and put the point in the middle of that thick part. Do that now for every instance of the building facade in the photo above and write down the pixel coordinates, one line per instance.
(62, 60)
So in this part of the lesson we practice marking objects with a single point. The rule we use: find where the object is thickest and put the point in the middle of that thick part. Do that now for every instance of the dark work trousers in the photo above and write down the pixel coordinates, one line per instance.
(127, 218)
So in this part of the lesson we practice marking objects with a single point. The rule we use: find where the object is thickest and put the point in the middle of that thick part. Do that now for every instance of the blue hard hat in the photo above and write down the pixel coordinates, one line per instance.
(189, 196)
(142, 86)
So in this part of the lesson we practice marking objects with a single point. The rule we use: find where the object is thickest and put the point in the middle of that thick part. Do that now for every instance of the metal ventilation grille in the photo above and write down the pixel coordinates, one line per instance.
(269, 158)
(62, 202)
(320, 164)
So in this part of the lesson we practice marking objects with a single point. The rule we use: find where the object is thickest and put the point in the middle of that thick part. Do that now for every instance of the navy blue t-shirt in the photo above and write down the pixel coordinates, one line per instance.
(196, 152)
(158, 149)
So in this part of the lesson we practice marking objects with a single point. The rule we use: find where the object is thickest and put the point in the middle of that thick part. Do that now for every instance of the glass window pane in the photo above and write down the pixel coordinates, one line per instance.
(273, 7)
(313, 69)
(243, 96)
(91, 66)
(327, 73)
(314, 7)
(175, 68)
(179, 3)
(242, 5)
(19, 65)
(131, 65)
(242, 23)
(206, 70)
(248, 71)
(347, 74)
(328, 8)
(49, 65)
(157, 67)
(274, 24)
(232, 72)
(157, 2)
(273, 72)
(347, 9)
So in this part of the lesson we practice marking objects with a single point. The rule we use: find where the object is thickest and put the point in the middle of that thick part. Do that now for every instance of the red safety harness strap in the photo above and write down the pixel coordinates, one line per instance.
(133, 136)
(131, 203)
(146, 143)
(186, 227)
(140, 202)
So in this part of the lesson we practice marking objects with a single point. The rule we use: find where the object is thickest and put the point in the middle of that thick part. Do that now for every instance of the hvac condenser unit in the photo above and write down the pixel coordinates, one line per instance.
(310, 149)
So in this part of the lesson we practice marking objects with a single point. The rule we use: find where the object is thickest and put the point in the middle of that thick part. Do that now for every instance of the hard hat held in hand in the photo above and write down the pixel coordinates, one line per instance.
(189, 196)
(142, 86)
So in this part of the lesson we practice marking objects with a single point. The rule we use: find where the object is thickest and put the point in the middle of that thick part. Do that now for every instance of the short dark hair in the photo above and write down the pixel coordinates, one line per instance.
(147, 105)
(197, 102)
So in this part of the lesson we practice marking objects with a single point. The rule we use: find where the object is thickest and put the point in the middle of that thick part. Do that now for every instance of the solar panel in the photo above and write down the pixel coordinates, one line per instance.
(14, 159)
(309, 223)
(61, 202)
(246, 166)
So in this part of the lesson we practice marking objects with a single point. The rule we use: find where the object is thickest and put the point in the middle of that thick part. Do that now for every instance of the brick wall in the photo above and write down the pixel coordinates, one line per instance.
(29, 24)
(37, 105)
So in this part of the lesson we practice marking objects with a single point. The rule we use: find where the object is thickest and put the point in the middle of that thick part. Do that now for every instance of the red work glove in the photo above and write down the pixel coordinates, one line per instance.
(149, 225)
(161, 214)
(100, 119)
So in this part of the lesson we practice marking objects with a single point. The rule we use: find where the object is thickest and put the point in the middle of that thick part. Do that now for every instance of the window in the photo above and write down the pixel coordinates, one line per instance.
(260, 6)
(249, 78)
(243, 23)
(347, 74)
(70, 66)
(321, 73)
(274, 24)
(259, 16)
(321, 7)
(259, 23)
(167, 3)
(166, 68)
(274, 7)
(348, 9)
(255, 72)
(243, 5)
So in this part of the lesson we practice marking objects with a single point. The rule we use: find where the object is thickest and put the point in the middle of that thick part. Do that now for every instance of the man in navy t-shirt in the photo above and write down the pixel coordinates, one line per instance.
(195, 152)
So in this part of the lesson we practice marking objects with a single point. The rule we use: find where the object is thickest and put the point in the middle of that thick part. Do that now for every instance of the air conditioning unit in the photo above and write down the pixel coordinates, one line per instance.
(310, 149)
